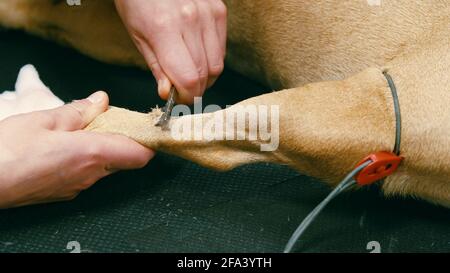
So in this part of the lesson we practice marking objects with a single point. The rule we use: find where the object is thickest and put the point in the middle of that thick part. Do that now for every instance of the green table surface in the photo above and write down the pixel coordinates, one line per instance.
(173, 205)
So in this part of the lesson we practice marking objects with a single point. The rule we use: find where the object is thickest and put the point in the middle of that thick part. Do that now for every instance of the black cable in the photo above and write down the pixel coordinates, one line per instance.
(398, 117)
(348, 181)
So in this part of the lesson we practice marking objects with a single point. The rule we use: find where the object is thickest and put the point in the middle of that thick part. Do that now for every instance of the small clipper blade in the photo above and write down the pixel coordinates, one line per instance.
(163, 121)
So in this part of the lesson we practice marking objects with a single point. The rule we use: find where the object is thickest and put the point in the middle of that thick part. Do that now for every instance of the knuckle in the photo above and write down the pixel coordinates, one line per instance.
(75, 111)
(205, 9)
(93, 155)
(203, 73)
(45, 119)
(189, 12)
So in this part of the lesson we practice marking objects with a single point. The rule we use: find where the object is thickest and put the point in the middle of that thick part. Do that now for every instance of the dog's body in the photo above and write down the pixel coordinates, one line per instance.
(326, 126)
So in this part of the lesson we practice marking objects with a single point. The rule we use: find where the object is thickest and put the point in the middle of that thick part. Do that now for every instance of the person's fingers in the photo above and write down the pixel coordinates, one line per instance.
(213, 47)
(92, 156)
(193, 37)
(194, 43)
(113, 152)
(78, 114)
(163, 81)
(220, 14)
(164, 86)
(178, 65)
(176, 61)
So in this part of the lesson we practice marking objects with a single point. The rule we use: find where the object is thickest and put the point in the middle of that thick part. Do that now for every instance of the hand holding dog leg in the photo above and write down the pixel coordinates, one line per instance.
(46, 157)
(182, 41)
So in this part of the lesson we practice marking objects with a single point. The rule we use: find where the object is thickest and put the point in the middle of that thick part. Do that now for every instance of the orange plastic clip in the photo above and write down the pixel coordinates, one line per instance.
(383, 164)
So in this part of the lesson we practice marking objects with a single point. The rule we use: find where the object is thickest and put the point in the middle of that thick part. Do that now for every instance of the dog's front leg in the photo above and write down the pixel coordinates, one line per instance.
(321, 129)
(325, 128)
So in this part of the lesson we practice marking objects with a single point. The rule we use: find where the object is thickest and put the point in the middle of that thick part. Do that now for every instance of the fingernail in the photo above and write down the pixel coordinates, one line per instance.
(163, 87)
(166, 84)
(160, 86)
(96, 98)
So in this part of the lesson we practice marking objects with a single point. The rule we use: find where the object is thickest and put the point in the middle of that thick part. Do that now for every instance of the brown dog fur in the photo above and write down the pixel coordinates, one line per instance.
(327, 125)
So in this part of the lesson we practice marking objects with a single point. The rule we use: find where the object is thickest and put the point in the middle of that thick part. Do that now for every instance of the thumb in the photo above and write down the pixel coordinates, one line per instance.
(78, 114)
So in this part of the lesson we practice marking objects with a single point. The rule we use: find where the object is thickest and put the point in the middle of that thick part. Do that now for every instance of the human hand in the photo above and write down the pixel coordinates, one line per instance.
(182, 41)
(45, 156)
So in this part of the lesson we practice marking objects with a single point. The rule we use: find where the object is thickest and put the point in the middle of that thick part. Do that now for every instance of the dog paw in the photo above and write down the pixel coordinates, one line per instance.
(30, 95)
